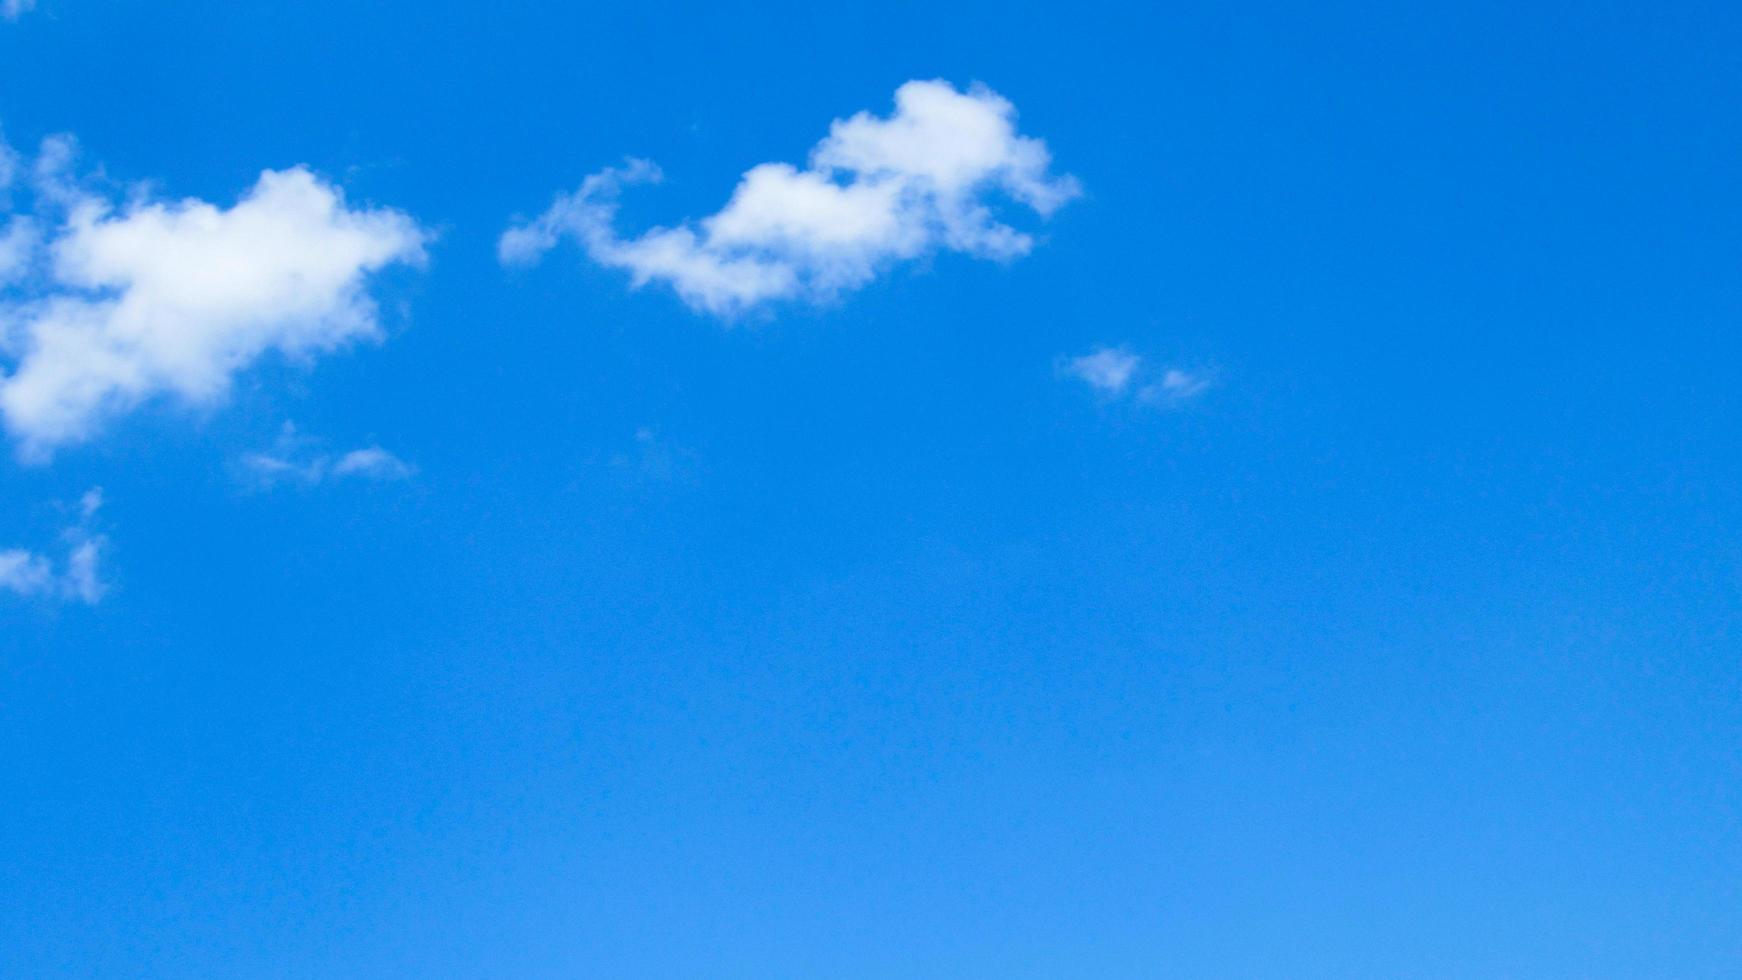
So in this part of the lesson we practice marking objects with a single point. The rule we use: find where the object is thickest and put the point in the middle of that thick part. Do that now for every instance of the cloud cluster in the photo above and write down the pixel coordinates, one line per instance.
(1116, 373)
(75, 577)
(104, 307)
(296, 458)
(876, 191)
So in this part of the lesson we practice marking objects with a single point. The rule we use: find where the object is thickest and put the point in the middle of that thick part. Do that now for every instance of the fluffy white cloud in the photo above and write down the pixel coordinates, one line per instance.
(1116, 372)
(76, 577)
(109, 307)
(10, 9)
(876, 190)
(297, 458)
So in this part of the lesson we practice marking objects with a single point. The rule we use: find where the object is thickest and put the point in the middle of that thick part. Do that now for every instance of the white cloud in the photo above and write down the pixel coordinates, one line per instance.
(78, 576)
(80, 579)
(18, 243)
(1116, 372)
(1107, 369)
(372, 463)
(11, 9)
(25, 573)
(296, 458)
(876, 191)
(1175, 386)
(116, 306)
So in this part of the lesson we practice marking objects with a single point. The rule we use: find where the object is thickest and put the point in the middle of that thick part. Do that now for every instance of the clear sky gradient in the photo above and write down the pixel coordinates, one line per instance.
(1316, 556)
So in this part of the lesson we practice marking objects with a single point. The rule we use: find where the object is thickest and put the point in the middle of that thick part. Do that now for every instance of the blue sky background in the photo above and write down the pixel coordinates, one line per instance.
(854, 640)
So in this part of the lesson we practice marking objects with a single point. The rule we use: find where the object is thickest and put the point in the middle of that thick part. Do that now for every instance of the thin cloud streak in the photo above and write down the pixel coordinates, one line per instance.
(296, 458)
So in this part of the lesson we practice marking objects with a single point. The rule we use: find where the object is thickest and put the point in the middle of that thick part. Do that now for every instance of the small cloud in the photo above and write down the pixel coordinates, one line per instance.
(373, 463)
(1175, 386)
(13, 9)
(296, 458)
(77, 577)
(80, 579)
(1107, 369)
(271, 469)
(25, 572)
(877, 191)
(1116, 373)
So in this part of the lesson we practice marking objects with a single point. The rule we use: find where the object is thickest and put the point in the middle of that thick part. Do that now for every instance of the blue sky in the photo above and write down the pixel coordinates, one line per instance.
(1291, 532)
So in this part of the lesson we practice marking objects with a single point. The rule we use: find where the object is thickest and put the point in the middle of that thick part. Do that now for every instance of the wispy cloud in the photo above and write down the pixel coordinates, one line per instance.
(104, 306)
(25, 572)
(653, 459)
(1107, 369)
(1117, 373)
(297, 458)
(372, 463)
(13, 9)
(876, 191)
(76, 576)
(1174, 387)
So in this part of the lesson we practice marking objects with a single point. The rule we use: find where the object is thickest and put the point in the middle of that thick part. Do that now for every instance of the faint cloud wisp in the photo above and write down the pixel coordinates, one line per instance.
(1106, 369)
(76, 576)
(296, 458)
(1116, 373)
